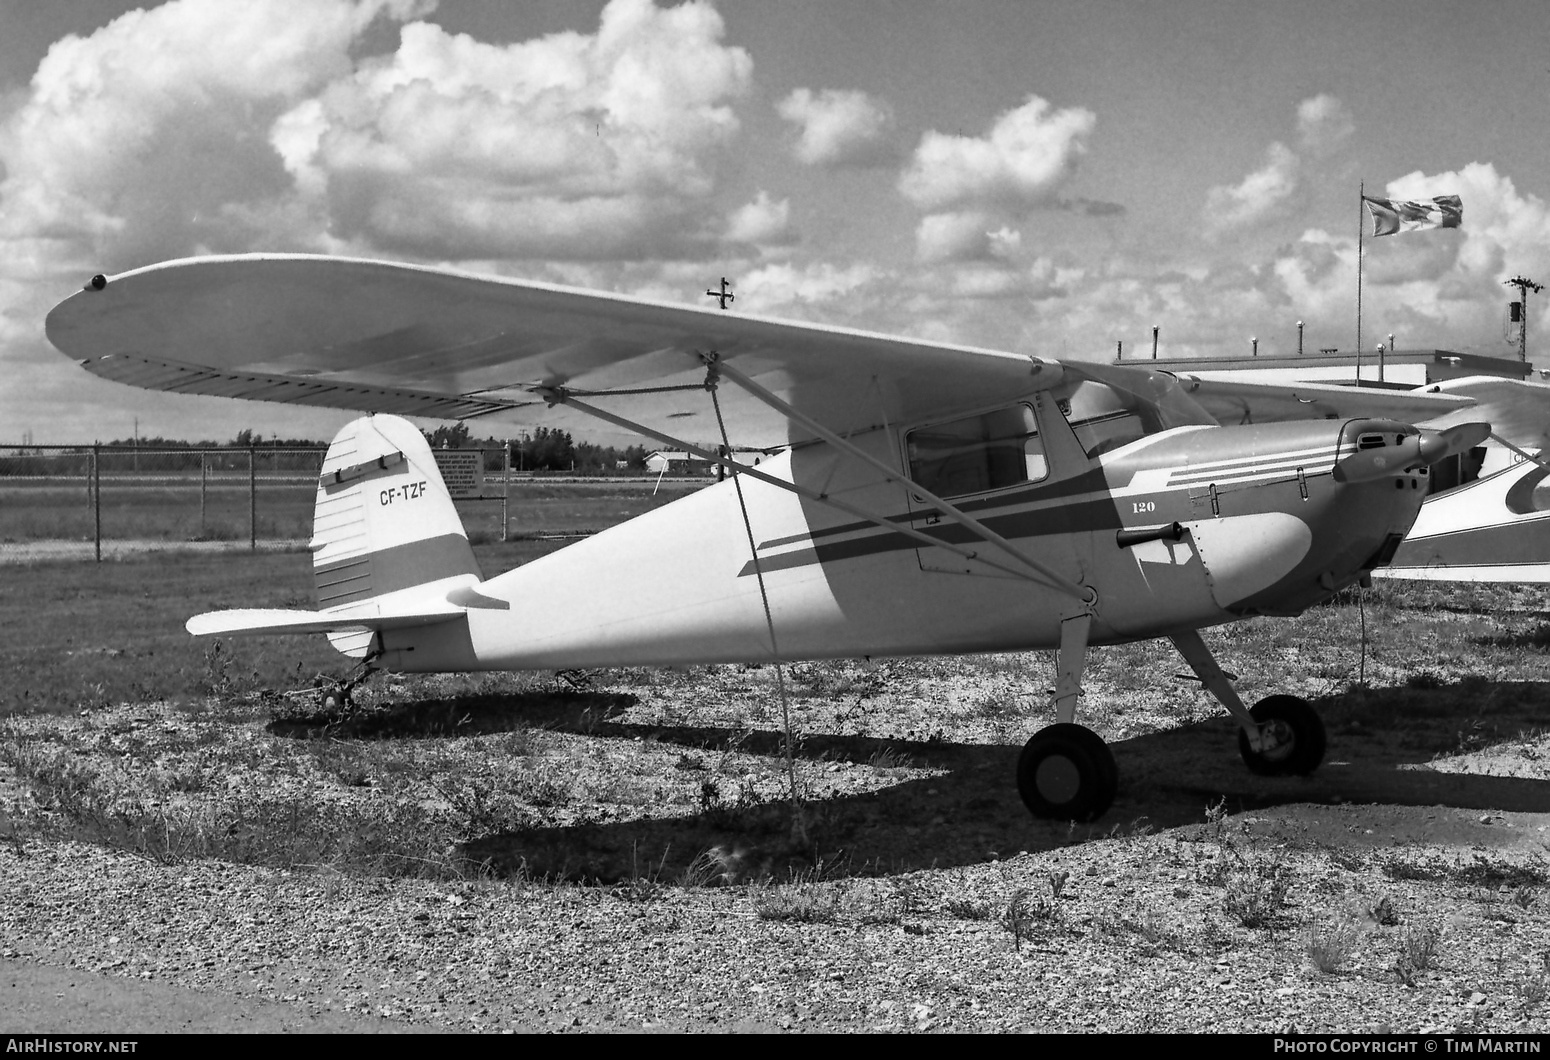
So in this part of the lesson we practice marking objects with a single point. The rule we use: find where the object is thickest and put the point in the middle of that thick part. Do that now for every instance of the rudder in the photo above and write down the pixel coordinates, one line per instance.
(384, 521)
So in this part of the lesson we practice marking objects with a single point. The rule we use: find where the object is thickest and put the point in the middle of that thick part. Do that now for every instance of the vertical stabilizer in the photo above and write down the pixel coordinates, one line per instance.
(384, 522)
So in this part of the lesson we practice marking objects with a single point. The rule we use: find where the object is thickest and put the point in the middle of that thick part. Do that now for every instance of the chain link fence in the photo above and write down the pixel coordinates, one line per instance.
(91, 501)
(95, 502)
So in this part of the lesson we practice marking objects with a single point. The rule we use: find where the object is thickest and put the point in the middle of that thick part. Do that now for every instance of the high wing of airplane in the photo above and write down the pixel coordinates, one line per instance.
(931, 498)
(1487, 513)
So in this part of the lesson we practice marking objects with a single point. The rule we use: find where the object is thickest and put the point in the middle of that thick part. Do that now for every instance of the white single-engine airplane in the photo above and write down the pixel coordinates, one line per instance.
(932, 499)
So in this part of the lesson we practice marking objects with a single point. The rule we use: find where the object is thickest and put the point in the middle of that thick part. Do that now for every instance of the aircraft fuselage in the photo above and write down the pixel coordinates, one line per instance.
(1264, 527)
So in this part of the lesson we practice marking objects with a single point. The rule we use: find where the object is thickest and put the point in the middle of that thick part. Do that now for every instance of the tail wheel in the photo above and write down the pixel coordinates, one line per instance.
(1298, 733)
(335, 697)
(1067, 773)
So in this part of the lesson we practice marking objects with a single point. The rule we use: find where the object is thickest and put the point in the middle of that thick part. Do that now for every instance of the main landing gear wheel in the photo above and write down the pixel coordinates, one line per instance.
(1298, 733)
(1067, 773)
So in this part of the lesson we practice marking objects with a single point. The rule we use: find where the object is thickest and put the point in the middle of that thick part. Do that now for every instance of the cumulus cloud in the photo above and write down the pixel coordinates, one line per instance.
(1261, 194)
(1323, 124)
(977, 280)
(1276, 187)
(784, 287)
(975, 188)
(969, 235)
(839, 127)
(1504, 231)
(1028, 153)
(1317, 272)
(135, 142)
(569, 145)
(961, 236)
(762, 222)
(1048, 280)
(1004, 242)
(1439, 289)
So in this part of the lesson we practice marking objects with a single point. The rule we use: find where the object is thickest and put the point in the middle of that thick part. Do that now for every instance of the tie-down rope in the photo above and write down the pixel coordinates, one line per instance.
(798, 819)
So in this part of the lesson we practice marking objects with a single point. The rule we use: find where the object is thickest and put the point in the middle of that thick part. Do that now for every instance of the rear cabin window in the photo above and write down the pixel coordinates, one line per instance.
(978, 453)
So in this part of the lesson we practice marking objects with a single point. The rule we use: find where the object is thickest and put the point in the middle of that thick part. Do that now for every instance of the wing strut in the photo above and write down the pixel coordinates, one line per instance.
(1524, 453)
(559, 396)
(989, 536)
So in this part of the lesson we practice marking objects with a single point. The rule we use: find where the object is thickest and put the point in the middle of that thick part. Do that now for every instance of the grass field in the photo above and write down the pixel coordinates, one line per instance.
(76, 635)
(32, 510)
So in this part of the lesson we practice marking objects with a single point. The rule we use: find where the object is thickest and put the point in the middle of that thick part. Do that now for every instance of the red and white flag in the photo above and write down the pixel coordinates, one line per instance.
(1390, 216)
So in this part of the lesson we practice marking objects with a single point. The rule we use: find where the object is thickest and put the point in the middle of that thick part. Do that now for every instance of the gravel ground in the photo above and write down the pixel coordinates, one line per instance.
(1134, 936)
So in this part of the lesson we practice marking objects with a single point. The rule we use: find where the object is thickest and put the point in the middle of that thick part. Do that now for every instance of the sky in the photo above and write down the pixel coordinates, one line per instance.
(1052, 178)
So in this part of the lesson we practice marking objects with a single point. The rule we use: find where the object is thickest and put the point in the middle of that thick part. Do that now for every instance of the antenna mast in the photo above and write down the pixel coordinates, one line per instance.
(1524, 286)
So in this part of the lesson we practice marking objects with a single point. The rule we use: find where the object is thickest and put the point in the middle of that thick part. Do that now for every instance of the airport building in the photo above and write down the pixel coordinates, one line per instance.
(1400, 369)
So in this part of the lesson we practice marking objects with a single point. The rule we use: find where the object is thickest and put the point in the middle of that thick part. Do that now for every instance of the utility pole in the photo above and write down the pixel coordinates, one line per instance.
(724, 294)
(1524, 286)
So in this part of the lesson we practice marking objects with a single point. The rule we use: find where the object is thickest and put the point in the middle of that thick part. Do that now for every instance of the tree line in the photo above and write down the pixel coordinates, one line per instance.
(547, 449)
(245, 438)
(542, 449)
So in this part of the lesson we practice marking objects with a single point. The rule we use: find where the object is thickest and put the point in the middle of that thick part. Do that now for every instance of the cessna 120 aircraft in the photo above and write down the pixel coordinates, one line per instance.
(932, 498)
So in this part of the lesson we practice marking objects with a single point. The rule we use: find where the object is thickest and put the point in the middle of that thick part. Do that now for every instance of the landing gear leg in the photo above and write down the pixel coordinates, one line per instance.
(1281, 736)
(1066, 772)
(340, 694)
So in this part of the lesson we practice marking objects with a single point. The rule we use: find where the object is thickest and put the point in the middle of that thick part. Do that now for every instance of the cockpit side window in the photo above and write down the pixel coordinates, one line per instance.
(977, 454)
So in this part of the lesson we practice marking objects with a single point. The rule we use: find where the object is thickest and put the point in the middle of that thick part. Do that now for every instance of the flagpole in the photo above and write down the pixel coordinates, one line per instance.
(1361, 233)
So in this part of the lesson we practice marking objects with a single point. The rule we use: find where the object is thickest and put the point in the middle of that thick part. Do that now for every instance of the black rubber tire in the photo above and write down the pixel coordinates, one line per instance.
(1067, 773)
(1305, 751)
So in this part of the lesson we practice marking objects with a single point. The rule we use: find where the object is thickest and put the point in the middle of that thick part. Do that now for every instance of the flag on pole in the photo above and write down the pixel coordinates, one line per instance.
(1390, 216)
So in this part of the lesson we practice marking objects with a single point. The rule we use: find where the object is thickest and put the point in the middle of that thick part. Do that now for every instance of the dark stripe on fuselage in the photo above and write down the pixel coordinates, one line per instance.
(1077, 517)
(1091, 481)
(397, 567)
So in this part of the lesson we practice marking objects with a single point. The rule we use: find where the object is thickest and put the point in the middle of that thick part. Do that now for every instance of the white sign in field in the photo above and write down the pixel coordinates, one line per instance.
(463, 472)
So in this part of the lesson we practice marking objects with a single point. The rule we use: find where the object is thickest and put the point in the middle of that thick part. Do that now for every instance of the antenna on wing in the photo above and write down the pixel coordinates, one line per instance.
(725, 294)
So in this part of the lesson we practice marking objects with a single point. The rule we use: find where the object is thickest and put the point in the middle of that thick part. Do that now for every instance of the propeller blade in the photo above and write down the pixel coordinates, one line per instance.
(1368, 464)
(1439, 445)
(1419, 450)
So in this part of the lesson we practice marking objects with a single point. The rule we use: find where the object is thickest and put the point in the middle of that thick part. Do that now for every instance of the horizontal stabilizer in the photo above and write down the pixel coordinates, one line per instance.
(284, 620)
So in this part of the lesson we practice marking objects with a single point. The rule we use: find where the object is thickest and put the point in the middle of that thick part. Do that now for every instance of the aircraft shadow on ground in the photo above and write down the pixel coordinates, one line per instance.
(1537, 638)
(470, 715)
(1380, 747)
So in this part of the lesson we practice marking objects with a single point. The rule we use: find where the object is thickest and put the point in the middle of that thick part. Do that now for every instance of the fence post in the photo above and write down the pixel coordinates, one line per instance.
(204, 485)
(252, 502)
(96, 492)
(505, 489)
